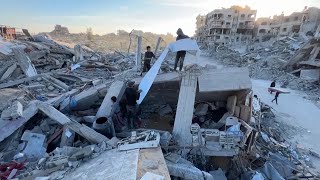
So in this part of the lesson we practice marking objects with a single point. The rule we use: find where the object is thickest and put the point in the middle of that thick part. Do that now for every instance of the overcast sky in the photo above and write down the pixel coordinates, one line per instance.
(105, 16)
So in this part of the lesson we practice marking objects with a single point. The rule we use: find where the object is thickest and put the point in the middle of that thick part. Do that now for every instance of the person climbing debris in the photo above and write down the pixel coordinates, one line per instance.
(132, 95)
(117, 116)
(180, 54)
(276, 97)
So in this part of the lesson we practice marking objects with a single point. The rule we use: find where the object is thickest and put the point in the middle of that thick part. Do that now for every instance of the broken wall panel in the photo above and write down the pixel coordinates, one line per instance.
(116, 89)
(24, 62)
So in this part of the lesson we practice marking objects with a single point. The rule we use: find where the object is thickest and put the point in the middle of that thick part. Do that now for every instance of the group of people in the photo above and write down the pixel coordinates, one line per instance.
(148, 55)
(125, 113)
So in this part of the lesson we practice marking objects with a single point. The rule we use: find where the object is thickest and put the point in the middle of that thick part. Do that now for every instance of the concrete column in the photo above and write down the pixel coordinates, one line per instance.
(157, 46)
(184, 114)
(138, 54)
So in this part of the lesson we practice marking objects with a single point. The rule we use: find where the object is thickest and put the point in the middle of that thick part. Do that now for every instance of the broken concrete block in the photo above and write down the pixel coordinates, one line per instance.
(34, 149)
(113, 141)
(57, 160)
(245, 113)
(218, 174)
(13, 112)
(65, 151)
(82, 153)
(51, 88)
(9, 72)
(89, 119)
(152, 176)
(201, 110)
(172, 157)
(231, 103)
(67, 137)
(165, 110)
(150, 164)
(37, 129)
(44, 126)
(237, 111)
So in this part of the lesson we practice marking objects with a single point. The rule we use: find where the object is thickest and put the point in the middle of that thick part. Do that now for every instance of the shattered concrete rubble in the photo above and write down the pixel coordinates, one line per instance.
(291, 60)
(58, 120)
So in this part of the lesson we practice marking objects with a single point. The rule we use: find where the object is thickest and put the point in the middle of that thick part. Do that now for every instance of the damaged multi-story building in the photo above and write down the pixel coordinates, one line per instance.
(304, 22)
(225, 26)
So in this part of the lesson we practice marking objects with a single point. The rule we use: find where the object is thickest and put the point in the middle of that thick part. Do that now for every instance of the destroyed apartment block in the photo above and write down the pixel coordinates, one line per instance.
(306, 61)
(196, 124)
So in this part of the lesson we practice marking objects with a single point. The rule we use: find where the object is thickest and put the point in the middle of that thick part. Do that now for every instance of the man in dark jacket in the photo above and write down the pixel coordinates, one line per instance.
(272, 85)
(132, 95)
(147, 59)
(180, 54)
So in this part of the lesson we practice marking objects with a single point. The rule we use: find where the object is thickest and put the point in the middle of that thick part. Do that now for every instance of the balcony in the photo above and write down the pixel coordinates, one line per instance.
(245, 26)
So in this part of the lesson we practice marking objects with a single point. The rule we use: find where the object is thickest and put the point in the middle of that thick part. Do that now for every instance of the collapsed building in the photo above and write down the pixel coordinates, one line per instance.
(304, 22)
(200, 123)
(226, 26)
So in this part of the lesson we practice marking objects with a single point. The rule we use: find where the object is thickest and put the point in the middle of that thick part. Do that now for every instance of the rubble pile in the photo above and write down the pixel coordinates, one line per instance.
(267, 61)
(286, 160)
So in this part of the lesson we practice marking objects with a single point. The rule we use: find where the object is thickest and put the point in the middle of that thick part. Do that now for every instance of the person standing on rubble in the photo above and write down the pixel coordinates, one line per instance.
(276, 97)
(132, 95)
(147, 60)
(180, 54)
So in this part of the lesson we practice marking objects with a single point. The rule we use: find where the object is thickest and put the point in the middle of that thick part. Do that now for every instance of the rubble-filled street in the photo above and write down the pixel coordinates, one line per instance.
(239, 100)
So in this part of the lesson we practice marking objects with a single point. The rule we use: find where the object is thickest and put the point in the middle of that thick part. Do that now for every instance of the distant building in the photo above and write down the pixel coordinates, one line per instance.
(225, 26)
(7, 32)
(304, 22)
(58, 29)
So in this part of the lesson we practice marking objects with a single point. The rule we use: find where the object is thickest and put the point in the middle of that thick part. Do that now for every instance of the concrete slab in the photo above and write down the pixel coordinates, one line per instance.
(152, 161)
(110, 165)
(310, 74)
(229, 79)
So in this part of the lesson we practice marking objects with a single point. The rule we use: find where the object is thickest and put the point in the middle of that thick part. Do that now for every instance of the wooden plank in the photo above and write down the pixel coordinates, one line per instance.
(9, 72)
(82, 130)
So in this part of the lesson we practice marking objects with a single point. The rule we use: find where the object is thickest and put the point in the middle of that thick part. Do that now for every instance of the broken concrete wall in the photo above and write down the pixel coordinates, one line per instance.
(310, 74)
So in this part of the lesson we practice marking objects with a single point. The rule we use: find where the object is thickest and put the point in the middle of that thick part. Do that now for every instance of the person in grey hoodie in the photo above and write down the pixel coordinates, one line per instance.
(180, 54)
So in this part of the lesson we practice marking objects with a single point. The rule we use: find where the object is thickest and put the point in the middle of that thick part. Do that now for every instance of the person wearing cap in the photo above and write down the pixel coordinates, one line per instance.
(180, 54)
(132, 95)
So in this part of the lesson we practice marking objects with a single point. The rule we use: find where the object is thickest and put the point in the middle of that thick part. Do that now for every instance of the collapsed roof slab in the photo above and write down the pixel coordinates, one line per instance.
(231, 79)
